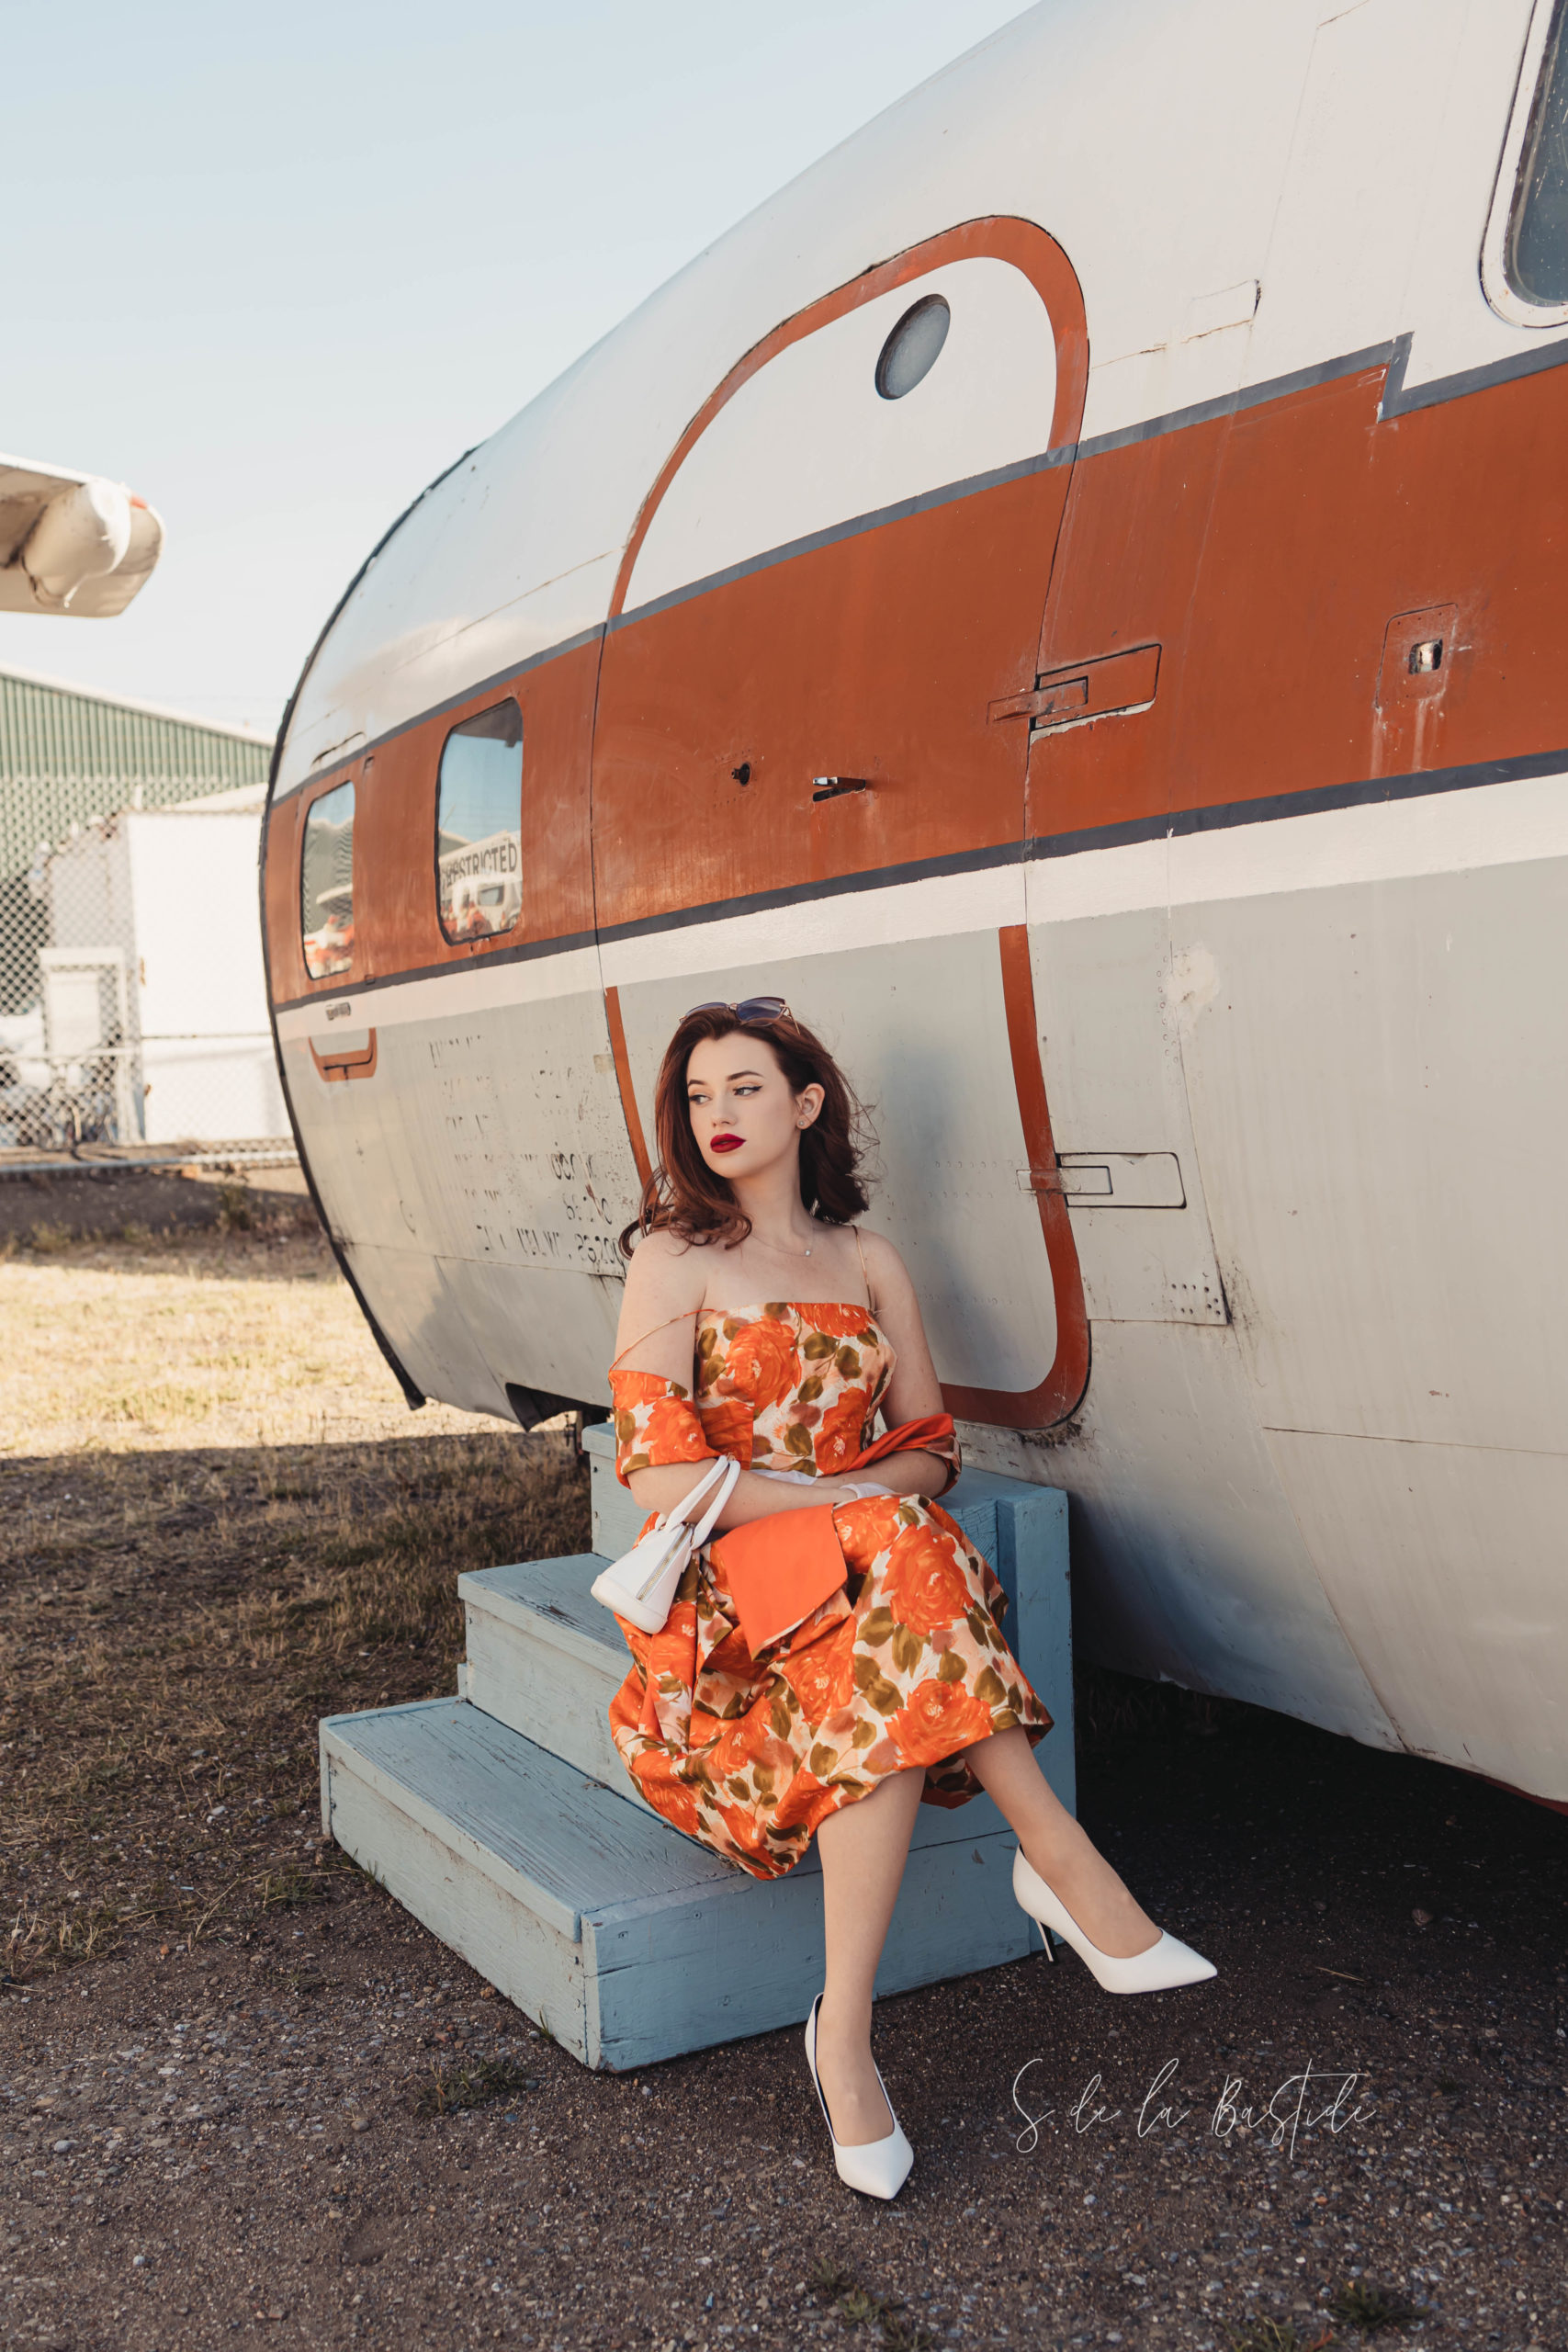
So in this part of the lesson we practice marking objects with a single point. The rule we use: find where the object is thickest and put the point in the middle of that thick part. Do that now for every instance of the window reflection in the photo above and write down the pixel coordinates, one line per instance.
(326, 884)
(1538, 232)
(478, 819)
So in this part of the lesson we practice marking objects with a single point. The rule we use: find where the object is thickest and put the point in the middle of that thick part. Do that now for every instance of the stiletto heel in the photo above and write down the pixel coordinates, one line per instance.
(1165, 1964)
(877, 2167)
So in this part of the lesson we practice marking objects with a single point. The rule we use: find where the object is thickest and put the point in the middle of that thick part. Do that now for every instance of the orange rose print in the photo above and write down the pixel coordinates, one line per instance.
(866, 1528)
(728, 1426)
(764, 1365)
(654, 1423)
(843, 1322)
(924, 1584)
(839, 1432)
(936, 1718)
(747, 1755)
(821, 1677)
(677, 1803)
(634, 1388)
(672, 1432)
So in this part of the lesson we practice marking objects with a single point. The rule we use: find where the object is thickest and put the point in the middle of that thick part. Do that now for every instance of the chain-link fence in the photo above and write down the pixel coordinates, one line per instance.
(135, 1003)
(132, 999)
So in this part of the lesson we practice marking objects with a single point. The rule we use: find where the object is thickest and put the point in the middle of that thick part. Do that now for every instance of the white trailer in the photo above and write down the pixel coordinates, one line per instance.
(155, 1000)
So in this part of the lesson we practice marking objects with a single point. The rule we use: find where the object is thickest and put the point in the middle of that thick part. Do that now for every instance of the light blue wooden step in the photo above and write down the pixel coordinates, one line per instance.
(631, 1942)
(545, 1658)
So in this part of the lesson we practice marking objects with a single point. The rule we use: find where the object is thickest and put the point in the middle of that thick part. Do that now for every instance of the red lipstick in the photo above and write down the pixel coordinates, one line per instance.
(727, 1143)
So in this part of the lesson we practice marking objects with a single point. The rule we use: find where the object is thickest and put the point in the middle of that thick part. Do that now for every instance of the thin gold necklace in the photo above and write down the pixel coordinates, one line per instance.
(782, 1253)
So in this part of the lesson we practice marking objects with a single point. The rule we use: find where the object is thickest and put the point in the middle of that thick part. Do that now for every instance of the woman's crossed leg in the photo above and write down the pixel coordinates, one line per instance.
(863, 1849)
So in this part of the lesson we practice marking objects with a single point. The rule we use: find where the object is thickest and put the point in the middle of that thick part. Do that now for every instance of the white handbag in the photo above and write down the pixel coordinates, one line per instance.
(640, 1586)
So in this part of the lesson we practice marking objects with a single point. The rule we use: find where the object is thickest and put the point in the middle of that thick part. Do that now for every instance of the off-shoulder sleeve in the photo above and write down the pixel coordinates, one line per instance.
(656, 1421)
(933, 1434)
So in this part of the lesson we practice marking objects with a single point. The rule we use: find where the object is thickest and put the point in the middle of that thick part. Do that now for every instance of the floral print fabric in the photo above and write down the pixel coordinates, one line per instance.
(784, 1388)
(903, 1666)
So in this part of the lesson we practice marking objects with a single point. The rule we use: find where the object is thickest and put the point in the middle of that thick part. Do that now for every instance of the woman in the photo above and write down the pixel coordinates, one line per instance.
(842, 1659)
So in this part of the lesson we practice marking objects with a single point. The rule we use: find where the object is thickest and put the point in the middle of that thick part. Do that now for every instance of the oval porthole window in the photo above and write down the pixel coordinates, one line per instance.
(913, 348)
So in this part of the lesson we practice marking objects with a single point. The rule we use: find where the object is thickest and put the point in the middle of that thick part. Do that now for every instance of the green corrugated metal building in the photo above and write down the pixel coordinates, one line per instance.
(67, 756)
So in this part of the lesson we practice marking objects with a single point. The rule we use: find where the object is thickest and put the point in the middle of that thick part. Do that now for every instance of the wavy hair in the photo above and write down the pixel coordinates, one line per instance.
(684, 1196)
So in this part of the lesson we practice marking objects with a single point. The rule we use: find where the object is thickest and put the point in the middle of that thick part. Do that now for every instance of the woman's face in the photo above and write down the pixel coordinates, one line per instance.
(744, 1116)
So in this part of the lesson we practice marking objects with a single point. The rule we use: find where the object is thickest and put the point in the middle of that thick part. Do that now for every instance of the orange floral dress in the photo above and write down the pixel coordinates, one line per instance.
(903, 1665)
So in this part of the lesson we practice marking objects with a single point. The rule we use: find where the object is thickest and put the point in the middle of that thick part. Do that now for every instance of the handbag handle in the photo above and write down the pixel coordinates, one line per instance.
(731, 1472)
(682, 1540)
(677, 1514)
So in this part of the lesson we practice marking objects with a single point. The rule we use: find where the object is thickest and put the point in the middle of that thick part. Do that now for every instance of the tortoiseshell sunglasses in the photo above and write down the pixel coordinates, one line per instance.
(749, 1011)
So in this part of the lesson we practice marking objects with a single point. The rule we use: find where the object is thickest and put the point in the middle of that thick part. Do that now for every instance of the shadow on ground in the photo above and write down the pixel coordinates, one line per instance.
(47, 1212)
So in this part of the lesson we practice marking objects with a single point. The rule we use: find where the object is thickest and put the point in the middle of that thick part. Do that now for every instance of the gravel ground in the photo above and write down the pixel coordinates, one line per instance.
(232, 2144)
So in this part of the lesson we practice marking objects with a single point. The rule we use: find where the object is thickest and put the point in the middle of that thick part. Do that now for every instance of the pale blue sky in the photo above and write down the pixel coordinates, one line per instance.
(276, 267)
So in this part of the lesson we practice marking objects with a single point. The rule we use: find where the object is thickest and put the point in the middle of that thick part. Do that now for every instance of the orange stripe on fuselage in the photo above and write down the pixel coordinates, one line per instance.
(1266, 554)
(1063, 1385)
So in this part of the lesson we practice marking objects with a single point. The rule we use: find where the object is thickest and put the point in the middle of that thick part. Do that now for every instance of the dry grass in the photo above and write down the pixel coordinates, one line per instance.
(856, 2305)
(473, 2084)
(217, 1339)
(186, 1586)
(1363, 2304)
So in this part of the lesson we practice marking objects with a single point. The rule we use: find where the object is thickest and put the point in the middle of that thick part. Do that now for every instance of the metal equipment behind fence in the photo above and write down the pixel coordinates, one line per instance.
(133, 1021)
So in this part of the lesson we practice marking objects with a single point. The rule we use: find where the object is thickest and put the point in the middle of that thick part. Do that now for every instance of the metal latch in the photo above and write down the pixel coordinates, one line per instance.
(1122, 1179)
(345, 1058)
(1418, 650)
(1094, 689)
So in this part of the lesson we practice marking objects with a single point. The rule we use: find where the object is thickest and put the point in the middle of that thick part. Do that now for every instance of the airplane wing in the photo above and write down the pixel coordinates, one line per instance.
(71, 543)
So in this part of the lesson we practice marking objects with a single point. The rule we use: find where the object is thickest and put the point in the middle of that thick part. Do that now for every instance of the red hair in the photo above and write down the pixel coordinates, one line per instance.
(684, 1196)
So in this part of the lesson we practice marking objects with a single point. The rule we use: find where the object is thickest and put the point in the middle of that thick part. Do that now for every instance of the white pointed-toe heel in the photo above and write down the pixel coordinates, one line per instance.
(877, 2167)
(1165, 1964)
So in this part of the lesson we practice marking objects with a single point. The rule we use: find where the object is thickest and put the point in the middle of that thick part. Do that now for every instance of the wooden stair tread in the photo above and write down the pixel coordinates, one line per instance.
(565, 1843)
(550, 1600)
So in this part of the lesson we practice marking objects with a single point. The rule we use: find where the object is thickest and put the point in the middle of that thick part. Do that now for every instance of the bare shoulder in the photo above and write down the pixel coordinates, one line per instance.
(664, 1268)
(663, 1285)
(889, 1276)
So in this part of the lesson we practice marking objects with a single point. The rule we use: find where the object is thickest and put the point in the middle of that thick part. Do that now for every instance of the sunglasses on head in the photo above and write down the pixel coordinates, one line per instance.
(749, 1011)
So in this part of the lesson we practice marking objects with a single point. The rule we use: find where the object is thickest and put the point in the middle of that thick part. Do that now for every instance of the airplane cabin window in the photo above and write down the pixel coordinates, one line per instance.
(479, 825)
(913, 348)
(1538, 224)
(326, 884)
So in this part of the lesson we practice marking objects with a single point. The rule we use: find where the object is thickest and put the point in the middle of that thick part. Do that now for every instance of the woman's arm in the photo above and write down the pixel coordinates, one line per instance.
(662, 1292)
(914, 1390)
(753, 1497)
